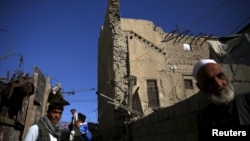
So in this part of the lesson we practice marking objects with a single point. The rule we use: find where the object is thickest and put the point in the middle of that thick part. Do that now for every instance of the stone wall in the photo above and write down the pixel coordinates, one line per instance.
(112, 61)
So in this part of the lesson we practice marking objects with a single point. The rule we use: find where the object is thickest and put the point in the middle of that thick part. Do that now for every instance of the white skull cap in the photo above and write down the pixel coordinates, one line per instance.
(201, 63)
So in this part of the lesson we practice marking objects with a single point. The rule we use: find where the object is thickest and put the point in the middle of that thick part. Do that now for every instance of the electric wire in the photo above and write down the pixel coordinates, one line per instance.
(209, 13)
(247, 20)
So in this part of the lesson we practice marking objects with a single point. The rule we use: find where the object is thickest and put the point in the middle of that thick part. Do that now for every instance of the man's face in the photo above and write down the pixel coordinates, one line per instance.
(225, 97)
(213, 81)
(55, 115)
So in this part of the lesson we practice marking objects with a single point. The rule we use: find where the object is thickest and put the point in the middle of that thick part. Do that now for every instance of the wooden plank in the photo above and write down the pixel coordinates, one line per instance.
(7, 121)
(40, 84)
(46, 95)
(37, 106)
(30, 115)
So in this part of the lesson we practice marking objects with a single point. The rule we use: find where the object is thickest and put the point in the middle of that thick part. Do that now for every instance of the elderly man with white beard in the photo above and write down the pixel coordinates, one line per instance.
(227, 111)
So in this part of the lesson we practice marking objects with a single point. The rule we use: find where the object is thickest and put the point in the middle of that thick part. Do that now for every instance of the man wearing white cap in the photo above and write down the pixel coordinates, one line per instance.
(227, 111)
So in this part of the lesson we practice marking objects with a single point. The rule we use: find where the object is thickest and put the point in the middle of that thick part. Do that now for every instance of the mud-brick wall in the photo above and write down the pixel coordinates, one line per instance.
(174, 123)
(177, 123)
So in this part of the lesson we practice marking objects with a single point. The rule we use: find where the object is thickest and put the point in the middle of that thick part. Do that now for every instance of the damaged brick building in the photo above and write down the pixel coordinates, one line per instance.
(145, 86)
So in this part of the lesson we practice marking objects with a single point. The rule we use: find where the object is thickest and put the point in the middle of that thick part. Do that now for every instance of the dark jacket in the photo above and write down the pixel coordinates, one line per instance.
(77, 136)
(43, 132)
(236, 117)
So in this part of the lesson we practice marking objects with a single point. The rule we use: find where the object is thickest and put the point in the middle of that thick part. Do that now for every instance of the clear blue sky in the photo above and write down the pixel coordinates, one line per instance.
(61, 37)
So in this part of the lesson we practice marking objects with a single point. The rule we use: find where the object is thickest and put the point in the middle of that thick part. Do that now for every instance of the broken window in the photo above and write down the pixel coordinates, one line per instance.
(188, 83)
(153, 97)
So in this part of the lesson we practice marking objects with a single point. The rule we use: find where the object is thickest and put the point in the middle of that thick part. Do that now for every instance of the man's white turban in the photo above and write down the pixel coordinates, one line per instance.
(201, 63)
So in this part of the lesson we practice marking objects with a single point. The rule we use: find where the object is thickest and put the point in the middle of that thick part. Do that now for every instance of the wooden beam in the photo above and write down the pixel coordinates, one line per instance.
(7, 121)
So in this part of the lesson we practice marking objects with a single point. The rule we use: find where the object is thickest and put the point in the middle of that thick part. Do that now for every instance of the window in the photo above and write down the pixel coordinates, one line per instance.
(188, 83)
(152, 90)
(186, 47)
